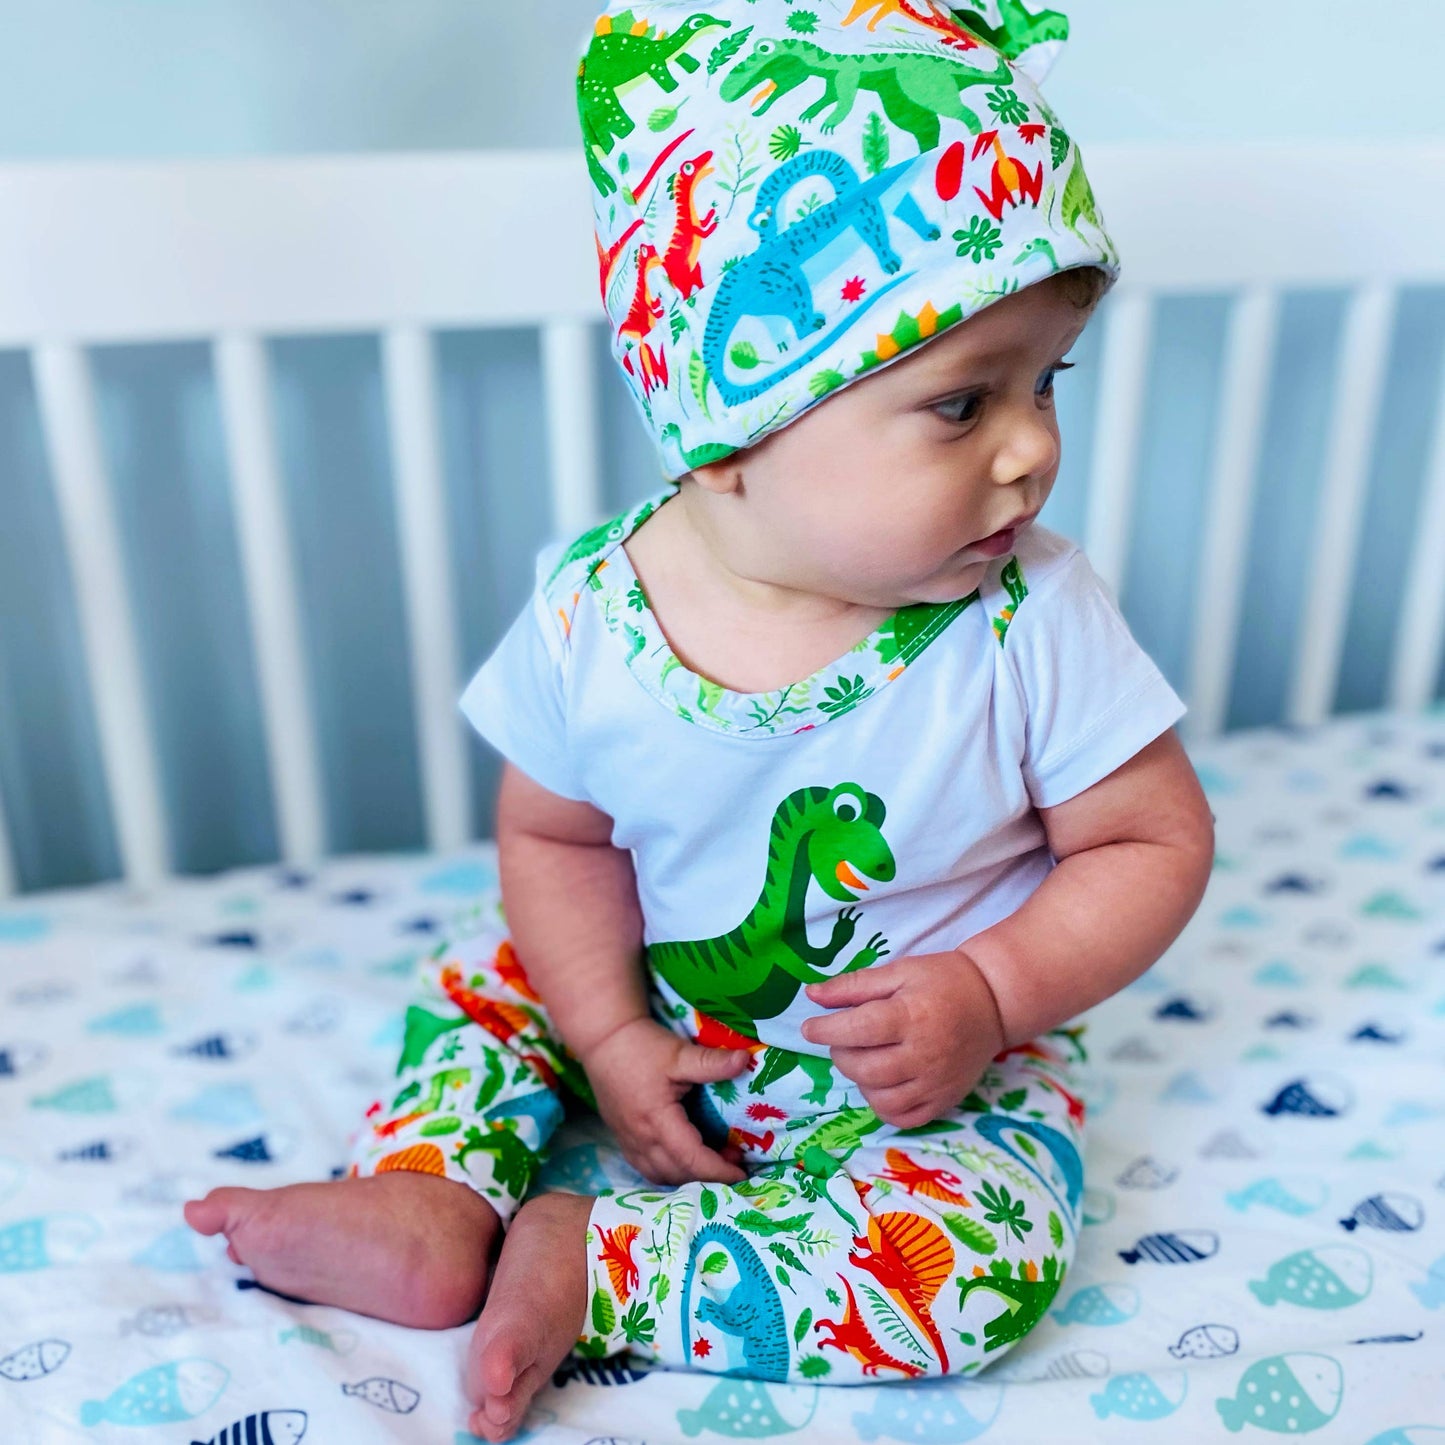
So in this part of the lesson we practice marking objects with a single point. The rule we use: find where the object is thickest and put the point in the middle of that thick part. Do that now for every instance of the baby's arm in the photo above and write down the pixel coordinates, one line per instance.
(1133, 856)
(571, 904)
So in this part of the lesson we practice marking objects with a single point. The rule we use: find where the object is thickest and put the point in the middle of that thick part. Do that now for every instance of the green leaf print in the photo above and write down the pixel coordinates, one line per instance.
(709, 1204)
(803, 22)
(726, 49)
(661, 1287)
(785, 143)
(875, 144)
(758, 1223)
(814, 1367)
(786, 1255)
(970, 1232)
(825, 381)
(1056, 1230)
(662, 117)
(638, 1325)
(1058, 146)
(591, 1347)
(744, 355)
(893, 1323)
(1001, 1208)
(844, 695)
(783, 1278)
(981, 241)
(604, 1317)
(801, 1327)
(1007, 106)
(697, 378)
(1012, 1100)
(715, 1262)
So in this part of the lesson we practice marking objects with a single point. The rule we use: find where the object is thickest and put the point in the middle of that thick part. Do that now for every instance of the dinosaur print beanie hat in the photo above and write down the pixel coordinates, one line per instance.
(790, 193)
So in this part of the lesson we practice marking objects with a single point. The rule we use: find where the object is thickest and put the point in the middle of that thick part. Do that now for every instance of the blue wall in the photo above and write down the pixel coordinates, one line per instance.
(159, 78)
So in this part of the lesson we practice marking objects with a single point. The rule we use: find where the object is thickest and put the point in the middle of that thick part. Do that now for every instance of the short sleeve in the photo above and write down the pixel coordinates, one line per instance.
(1093, 697)
(517, 702)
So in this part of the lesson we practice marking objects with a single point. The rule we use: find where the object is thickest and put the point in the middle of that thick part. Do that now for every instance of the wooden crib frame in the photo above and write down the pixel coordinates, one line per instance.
(236, 252)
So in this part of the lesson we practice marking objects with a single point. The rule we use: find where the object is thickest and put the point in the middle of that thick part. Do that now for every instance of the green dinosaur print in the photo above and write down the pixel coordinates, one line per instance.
(516, 1164)
(838, 1138)
(914, 88)
(617, 61)
(599, 539)
(1024, 1299)
(1019, 31)
(828, 836)
(1078, 202)
(695, 457)
(1039, 246)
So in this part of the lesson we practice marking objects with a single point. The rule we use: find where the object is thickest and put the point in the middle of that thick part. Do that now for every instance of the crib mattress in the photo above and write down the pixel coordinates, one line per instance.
(1264, 1247)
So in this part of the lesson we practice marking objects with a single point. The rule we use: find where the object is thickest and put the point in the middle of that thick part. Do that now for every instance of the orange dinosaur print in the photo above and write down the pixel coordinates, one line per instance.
(714, 1035)
(916, 1179)
(912, 1259)
(852, 1335)
(761, 1142)
(951, 32)
(1013, 182)
(681, 259)
(617, 1256)
(418, 1159)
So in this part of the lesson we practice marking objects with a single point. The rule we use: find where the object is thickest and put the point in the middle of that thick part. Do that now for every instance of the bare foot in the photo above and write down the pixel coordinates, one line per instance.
(410, 1248)
(535, 1311)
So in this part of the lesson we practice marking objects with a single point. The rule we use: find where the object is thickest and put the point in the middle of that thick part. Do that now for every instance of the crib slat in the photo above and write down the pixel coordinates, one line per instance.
(1420, 640)
(1249, 353)
(243, 381)
(569, 380)
(8, 879)
(1359, 389)
(1122, 380)
(92, 540)
(409, 363)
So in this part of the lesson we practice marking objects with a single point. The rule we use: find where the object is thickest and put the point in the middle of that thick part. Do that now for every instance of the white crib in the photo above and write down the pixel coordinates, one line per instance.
(236, 252)
(1302, 1011)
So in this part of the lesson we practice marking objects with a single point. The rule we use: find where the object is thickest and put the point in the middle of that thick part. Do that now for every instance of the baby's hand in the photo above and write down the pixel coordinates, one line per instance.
(639, 1074)
(915, 1035)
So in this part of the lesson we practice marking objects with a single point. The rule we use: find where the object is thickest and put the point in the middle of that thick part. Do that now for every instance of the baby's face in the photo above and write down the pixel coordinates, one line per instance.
(885, 494)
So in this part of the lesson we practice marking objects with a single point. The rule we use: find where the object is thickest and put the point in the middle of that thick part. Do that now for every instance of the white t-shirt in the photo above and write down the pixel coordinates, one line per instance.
(889, 800)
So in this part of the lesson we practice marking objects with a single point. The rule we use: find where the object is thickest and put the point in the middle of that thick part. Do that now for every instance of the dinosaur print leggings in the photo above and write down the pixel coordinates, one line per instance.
(852, 1251)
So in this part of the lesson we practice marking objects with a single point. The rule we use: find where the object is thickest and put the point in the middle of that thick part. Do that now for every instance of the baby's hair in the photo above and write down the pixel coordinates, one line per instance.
(1084, 285)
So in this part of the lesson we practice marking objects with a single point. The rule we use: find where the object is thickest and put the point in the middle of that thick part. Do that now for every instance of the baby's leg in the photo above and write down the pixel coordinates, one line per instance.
(439, 1167)
(853, 1252)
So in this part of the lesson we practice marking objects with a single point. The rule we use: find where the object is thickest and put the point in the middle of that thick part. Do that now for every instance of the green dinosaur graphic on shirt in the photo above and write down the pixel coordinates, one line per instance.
(1018, 31)
(828, 836)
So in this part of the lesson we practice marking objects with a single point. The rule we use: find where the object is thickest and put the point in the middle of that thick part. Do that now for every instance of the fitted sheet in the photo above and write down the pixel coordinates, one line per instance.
(1264, 1249)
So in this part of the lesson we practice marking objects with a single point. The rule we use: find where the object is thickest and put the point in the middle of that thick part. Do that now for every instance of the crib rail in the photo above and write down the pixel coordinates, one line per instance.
(235, 253)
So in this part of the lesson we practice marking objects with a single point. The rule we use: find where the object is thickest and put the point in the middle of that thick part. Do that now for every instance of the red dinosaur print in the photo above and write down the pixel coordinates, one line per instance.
(607, 259)
(642, 318)
(761, 1142)
(504, 1021)
(911, 1258)
(617, 1256)
(714, 1035)
(681, 259)
(508, 968)
(1013, 182)
(852, 1335)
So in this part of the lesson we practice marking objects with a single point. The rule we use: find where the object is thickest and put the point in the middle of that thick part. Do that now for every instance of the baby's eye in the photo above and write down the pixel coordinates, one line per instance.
(1046, 381)
(960, 409)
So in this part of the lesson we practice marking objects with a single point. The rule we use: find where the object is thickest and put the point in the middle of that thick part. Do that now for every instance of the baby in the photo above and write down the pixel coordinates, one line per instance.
(835, 786)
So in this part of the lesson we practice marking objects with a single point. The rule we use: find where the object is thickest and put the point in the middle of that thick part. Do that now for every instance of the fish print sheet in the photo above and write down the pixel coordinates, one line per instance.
(1264, 1248)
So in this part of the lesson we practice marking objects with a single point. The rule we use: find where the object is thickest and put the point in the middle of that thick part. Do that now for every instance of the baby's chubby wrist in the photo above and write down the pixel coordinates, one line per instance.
(604, 1035)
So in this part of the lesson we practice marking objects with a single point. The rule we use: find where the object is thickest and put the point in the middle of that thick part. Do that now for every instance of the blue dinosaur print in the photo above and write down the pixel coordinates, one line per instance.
(772, 285)
(752, 1311)
(1061, 1149)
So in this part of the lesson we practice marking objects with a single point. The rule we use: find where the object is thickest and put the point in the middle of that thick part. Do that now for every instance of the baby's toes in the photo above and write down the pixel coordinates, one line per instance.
(220, 1212)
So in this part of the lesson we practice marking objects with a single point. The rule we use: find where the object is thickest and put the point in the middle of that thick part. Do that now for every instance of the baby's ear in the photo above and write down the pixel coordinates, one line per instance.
(1025, 33)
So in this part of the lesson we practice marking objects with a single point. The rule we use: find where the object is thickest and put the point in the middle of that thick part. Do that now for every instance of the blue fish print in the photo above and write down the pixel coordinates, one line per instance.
(17, 1059)
(224, 1046)
(1099, 1304)
(161, 1395)
(1309, 1099)
(1185, 1246)
(928, 1412)
(270, 1427)
(35, 1361)
(173, 1252)
(139, 1020)
(46, 1240)
(1392, 1213)
(1431, 1293)
(598, 1372)
(1290, 1394)
(232, 1105)
(1206, 1342)
(1292, 1196)
(102, 1151)
(1138, 1396)
(385, 1394)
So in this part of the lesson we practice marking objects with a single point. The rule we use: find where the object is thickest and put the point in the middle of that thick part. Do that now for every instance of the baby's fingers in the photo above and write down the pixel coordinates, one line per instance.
(697, 1064)
(690, 1158)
